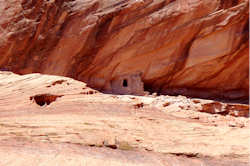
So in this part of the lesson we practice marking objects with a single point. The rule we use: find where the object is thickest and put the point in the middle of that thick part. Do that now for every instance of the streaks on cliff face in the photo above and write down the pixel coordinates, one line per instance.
(224, 4)
(33, 31)
(173, 44)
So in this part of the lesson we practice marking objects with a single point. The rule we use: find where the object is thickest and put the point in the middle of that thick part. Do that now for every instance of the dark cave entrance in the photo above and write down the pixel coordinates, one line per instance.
(149, 87)
(44, 99)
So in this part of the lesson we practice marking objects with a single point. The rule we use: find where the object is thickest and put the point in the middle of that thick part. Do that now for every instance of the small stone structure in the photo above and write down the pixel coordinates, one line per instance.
(128, 84)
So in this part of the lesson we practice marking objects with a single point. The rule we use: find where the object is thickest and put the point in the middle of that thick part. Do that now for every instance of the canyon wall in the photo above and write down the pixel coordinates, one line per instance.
(190, 47)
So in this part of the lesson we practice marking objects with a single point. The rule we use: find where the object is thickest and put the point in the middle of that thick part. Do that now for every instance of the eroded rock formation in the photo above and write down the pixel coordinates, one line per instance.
(192, 47)
(52, 120)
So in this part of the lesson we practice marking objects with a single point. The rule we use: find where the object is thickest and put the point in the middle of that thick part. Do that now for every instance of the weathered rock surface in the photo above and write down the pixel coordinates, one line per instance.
(191, 47)
(51, 120)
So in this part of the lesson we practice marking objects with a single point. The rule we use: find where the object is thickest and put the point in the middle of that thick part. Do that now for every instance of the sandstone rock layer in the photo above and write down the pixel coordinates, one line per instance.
(191, 47)
(53, 120)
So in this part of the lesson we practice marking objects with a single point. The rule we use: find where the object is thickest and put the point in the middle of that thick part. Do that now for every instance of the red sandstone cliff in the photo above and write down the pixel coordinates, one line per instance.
(191, 47)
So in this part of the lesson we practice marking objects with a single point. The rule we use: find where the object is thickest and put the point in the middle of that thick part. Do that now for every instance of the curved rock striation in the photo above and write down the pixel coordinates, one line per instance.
(191, 47)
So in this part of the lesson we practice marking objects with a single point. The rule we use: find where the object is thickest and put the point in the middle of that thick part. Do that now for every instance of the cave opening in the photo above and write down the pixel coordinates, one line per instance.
(148, 87)
(44, 99)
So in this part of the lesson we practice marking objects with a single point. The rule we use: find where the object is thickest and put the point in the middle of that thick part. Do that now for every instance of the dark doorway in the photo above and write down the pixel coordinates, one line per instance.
(125, 83)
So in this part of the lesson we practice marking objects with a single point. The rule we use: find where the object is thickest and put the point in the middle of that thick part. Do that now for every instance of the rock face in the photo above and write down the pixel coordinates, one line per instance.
(191, 47)
(53, 120)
